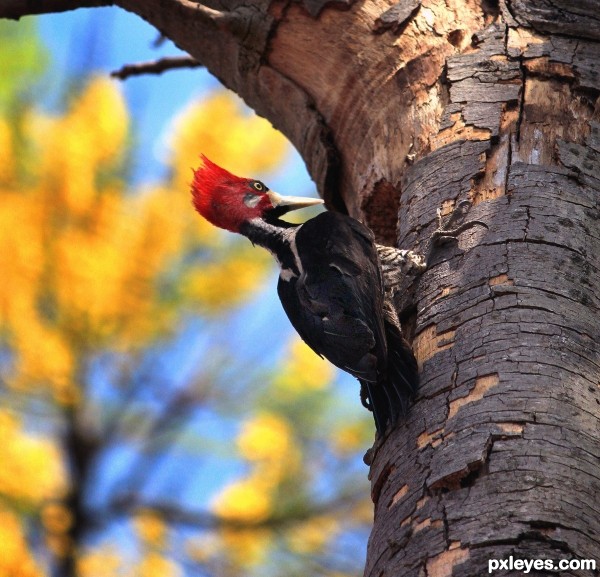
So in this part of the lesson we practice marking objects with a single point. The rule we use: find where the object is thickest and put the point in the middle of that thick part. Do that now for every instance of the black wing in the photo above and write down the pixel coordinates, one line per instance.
(336, 305)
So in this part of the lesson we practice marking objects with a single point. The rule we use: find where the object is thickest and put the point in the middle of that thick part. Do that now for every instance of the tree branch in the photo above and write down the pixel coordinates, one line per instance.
(130, 505)
(156, 66)
(205, 12)
(15, 9)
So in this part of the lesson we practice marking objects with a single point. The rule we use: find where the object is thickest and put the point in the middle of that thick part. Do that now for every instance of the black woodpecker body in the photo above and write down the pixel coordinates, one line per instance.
(331, 284)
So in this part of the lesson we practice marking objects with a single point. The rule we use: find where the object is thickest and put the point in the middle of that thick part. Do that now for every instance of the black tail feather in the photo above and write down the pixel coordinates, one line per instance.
(390, 397)
(378, 403)
(403, 373)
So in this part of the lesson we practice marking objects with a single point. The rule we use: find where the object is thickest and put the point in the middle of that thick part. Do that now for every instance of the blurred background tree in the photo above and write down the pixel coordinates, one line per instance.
(158, 417)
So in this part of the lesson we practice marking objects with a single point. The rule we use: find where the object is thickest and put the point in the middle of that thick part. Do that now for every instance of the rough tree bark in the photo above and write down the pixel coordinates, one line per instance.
(398, 108)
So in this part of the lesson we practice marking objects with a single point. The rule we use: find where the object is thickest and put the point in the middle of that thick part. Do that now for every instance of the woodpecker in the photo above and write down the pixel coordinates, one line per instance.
(332, 284)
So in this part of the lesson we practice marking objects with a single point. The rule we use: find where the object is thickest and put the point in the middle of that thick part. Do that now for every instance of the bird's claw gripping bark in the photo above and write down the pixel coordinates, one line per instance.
(397, 264)
(400, 261)
(447, 230)
(364, 398)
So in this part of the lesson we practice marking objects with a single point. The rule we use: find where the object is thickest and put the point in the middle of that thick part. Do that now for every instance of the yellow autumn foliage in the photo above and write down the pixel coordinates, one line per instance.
(150, 528)
(103, 561)
(56, 518)
(362, 512)
(91, 137)
(222, 285)
(218, 127)
(201, 548)
(244, 547)
(16, 560)
(32, 470)
(248, 500)
(156, 565)
(106, 273)
(58, 545)
(7, 166)
(21, 255)
(265, 436)
(266, 441)
(82, 260)
(247, 547)
(102, 106)
(312, 535)
(350, 437)
(303, 370)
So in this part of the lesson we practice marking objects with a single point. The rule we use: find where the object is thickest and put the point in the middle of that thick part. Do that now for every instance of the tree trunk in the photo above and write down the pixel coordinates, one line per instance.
(398, 109)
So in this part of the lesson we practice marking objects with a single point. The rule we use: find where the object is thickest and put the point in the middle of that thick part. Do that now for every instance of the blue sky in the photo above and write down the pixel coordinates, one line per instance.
(196, 467)
(104, 39)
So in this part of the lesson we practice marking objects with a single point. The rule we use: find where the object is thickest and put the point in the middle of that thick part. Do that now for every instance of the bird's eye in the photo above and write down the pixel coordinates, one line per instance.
(257, 185)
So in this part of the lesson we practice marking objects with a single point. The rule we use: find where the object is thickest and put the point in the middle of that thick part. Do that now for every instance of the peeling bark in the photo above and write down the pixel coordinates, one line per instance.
(500, 455)
(397, 16)
(399, 108)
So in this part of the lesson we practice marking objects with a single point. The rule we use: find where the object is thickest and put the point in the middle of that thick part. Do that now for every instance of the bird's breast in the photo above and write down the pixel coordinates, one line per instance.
(287, 274)
(288, 258)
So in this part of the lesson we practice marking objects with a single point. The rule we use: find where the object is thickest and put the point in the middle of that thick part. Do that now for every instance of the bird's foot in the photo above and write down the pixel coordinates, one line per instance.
(364, 397)
(396, 261)
(398, 264)
(449, 228)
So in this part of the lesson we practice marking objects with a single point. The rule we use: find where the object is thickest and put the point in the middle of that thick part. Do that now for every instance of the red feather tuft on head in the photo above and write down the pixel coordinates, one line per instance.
(209, 179)
(219, 195)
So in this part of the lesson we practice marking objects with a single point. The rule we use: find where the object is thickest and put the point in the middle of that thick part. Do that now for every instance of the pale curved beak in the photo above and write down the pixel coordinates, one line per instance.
(287, 203)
